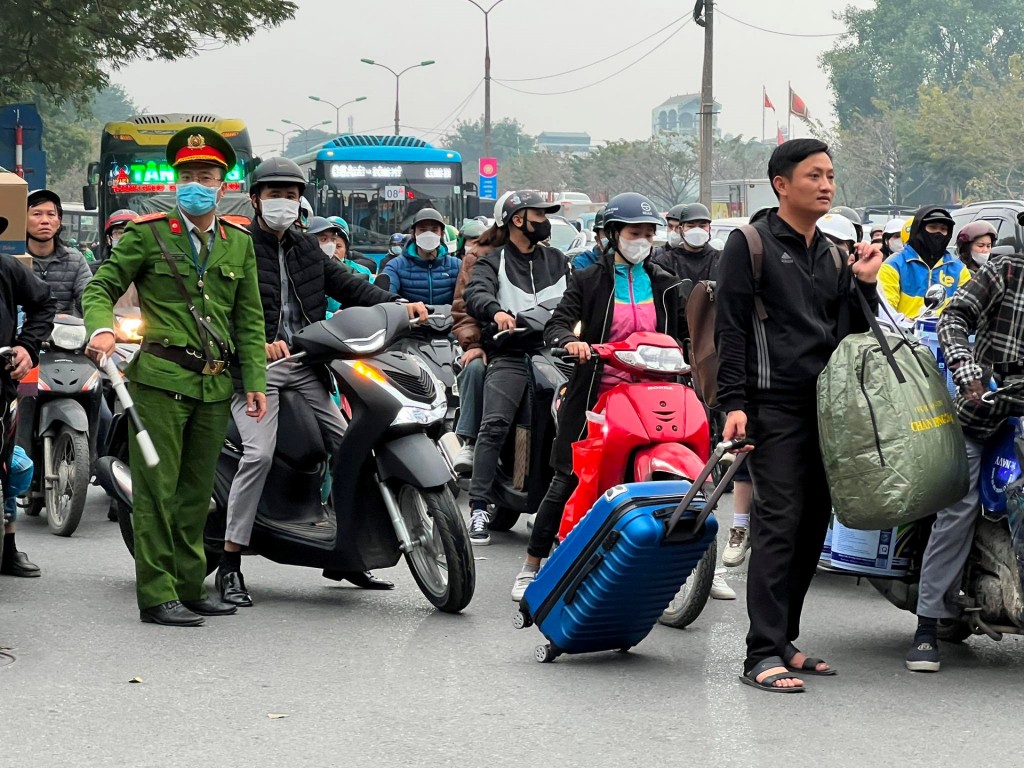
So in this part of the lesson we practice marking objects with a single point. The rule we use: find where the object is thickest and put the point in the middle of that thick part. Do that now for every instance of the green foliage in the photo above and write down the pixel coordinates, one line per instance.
(69, 47)
(664, 172)
(893, 48)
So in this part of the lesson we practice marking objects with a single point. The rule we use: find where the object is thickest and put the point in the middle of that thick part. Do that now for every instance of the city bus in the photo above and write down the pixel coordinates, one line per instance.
(378, 183)
(132, 171)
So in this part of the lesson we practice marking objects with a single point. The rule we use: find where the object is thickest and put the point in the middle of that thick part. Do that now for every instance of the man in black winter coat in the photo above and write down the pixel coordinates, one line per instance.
(295, 278)
(773, 340)
(19, 287)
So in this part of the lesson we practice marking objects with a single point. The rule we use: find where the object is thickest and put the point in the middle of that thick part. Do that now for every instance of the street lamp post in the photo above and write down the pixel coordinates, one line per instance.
(398, 76)
(337, 110)
(304, 130)
(487, 72)
(283, 135)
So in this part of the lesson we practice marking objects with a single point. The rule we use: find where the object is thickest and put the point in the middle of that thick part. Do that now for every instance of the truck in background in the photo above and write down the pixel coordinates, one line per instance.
(741, 197)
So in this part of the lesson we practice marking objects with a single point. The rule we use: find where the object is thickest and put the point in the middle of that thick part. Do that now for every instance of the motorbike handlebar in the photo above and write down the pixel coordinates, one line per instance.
(994, 390)
(499, 334)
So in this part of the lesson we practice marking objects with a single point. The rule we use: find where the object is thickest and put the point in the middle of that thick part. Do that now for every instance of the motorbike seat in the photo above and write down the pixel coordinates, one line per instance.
(299, 441)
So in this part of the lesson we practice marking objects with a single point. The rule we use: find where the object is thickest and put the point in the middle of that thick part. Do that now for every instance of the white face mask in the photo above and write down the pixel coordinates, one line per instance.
(696, 237)
(895, 244)
(674, 239)
(114, 239)
(428, 241)
(329, 248)
(980, 258)
(635, 251)
(279, 213)
(395, 250)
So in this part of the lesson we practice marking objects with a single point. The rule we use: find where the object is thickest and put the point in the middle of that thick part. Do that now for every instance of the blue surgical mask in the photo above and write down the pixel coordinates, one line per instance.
(196, 199)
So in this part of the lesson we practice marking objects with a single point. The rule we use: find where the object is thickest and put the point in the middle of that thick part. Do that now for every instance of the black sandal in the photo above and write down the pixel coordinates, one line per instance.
(768, 683)
(810, 665)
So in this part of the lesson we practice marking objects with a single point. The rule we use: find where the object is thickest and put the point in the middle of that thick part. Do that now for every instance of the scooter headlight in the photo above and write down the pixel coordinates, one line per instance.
(655, 359)
(68, 337)
(425, 415)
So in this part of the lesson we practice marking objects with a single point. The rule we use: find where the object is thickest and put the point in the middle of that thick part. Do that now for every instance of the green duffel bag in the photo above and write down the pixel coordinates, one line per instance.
(892, 446)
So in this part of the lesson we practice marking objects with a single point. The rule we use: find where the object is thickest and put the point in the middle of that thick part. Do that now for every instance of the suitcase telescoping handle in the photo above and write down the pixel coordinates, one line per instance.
(720, 450)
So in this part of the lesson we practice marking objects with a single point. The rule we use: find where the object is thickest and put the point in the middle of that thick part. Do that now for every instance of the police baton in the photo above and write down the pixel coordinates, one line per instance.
(149, 453)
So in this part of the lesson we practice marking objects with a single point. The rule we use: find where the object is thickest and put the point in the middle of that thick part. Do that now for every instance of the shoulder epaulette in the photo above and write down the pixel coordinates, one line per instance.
(150, 217)
(237, 222)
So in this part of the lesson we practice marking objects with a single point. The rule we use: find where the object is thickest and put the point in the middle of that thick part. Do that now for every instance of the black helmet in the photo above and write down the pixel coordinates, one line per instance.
(631, 208)
(689, 212)
(45, 195)
(427, 214)
(848, 213)
(519, 201)
(277, 170)
(599, 219)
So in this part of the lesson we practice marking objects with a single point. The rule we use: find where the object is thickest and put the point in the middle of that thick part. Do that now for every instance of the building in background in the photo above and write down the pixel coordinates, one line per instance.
(564, 143)
(679, 117)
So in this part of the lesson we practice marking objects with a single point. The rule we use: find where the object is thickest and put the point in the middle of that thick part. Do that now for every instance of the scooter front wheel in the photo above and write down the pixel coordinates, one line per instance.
(443, 564)
(688, 603)
(65, 492)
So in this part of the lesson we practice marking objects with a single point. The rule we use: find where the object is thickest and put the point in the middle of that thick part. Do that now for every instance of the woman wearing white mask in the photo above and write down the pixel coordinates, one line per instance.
(892, 237)
(622, 293)
(688, 253)
(974, 244)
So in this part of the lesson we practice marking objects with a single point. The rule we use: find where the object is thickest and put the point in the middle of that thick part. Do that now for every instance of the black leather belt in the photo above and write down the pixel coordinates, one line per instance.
(188, 358)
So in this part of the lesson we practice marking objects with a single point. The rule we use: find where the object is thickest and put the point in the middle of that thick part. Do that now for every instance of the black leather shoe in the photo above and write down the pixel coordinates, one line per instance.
(170, 614)
(232, 589)
(366, 580)
(18, 564)
(210, 607)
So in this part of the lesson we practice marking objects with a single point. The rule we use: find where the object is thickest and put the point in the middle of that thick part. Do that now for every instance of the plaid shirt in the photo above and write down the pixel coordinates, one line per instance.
(990, 305)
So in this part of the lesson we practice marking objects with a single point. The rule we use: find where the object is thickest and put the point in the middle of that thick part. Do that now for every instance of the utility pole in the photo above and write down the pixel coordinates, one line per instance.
(707, 100)
(487, 72)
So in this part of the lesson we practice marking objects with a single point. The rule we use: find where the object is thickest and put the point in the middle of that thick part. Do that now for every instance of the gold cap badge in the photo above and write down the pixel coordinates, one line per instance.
(196, 141)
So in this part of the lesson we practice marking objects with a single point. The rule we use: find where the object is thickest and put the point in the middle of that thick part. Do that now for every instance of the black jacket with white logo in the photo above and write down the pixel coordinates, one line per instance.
(809, 307)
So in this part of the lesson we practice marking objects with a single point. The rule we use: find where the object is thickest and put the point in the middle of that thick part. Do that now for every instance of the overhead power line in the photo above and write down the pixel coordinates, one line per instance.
(775, 31)
(448, 119)
(632, 64)
(602, 60)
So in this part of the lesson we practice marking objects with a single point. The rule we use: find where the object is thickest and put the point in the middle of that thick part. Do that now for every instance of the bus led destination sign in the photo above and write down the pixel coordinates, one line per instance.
(388, 171)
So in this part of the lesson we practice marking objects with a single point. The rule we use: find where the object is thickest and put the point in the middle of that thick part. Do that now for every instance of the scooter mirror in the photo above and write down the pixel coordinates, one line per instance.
(934, 296)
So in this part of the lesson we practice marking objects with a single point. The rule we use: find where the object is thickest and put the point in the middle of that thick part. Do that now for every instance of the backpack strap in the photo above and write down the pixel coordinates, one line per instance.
(756, 248)
(837, 257)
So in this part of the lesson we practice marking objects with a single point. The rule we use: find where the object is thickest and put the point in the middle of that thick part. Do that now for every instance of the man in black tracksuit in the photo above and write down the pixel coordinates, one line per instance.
(768, 369)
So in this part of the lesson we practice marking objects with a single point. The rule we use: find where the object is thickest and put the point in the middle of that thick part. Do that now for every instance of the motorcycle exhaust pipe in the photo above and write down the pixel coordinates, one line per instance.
(149, 454)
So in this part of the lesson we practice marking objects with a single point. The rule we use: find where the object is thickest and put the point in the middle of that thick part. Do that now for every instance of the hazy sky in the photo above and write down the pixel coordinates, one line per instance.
(318, 53)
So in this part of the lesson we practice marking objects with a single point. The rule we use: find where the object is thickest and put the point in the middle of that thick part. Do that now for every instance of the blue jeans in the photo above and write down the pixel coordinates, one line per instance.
(471, 399)
(17, 480)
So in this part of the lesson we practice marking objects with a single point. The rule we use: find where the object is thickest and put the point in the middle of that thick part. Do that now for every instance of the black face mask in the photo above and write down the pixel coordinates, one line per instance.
(541, 230)
(929, 245)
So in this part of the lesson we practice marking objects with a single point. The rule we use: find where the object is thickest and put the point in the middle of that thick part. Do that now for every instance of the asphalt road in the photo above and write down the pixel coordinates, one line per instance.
(380, 679)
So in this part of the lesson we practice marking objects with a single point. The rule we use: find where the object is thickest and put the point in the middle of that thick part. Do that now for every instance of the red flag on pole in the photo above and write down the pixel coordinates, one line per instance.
(797, 106)
(781, 137)
(768, 102)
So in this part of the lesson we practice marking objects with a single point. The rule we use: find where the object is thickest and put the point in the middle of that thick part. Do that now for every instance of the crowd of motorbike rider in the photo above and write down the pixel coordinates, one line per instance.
(491, 273)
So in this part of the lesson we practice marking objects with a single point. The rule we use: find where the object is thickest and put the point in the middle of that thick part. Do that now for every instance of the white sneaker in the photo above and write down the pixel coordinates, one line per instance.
(720, 590)
(523, 580)
(736, 552)
(463, 462)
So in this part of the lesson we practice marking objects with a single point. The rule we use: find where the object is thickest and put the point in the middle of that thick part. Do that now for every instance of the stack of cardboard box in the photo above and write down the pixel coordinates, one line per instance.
(13, 216)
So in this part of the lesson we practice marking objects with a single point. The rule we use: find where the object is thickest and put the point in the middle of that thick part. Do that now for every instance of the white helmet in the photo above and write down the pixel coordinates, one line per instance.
(893, 227)
(838, 227)
(500, 203)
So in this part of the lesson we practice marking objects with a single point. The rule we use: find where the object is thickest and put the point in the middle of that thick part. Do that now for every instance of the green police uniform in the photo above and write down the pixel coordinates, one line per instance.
(185, 411)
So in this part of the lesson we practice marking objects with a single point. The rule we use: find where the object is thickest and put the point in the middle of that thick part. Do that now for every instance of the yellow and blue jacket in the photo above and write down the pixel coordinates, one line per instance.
(905, 277)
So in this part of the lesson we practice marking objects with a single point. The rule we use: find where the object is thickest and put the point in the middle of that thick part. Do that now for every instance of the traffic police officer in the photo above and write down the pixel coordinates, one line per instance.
(202, 321)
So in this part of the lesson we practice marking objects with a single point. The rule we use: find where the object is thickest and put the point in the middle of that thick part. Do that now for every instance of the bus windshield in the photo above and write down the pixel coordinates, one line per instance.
(143, 181)
(373, 217)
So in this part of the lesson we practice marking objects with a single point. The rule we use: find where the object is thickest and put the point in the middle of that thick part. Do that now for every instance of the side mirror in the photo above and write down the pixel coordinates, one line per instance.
(89, 197)
(934, 296)
(1004, 250)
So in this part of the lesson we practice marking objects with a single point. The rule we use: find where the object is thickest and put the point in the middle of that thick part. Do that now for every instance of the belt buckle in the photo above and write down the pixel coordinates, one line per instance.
(214, 368)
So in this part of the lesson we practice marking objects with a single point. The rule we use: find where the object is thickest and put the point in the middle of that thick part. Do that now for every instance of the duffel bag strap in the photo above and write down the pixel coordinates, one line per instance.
(883, 343)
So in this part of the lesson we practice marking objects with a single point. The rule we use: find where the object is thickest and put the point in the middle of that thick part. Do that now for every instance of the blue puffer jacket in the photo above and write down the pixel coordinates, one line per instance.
(431, 281)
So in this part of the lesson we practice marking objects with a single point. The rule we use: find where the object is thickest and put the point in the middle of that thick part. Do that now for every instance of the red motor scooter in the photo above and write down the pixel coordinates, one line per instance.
(653, 429)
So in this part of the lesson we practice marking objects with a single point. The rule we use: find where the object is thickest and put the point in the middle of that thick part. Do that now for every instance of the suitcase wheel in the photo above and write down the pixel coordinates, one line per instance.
(545, 654)
(522, 620)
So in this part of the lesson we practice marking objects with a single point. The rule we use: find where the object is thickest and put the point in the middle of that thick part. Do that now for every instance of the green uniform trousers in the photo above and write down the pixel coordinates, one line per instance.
(172, 500)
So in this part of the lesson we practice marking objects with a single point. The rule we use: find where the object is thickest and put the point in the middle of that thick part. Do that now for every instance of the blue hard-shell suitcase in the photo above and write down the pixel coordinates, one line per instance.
(611, 578)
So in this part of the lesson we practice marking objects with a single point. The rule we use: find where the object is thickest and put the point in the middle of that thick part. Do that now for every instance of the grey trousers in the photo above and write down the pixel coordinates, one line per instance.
(260, 440)
(471, 399)
(948, 547)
